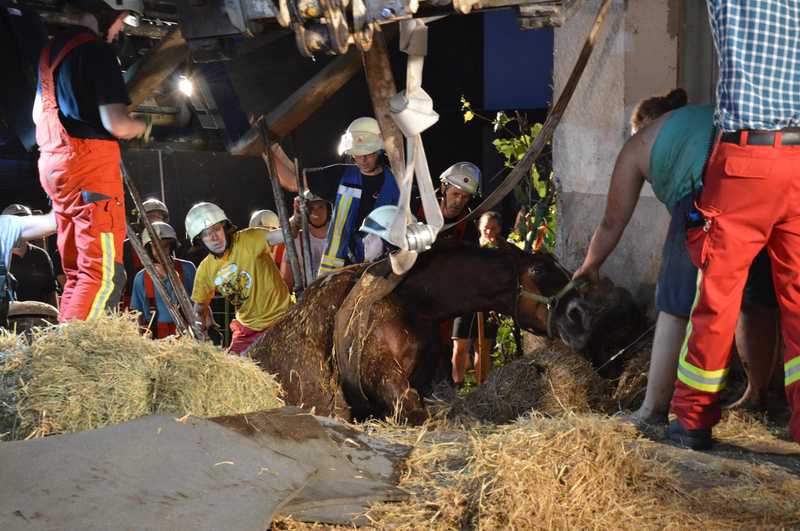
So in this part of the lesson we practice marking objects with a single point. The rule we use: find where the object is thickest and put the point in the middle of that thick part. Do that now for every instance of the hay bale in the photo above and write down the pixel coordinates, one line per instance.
(86, 375)
(202, 379)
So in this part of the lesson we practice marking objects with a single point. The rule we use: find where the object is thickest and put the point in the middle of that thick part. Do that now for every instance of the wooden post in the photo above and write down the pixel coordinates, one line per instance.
(382, 87)
(157, 66)
(303, 102)
(484, 361)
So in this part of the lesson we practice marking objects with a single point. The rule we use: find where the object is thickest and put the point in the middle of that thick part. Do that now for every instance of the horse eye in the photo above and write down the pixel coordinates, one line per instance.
(537, 270)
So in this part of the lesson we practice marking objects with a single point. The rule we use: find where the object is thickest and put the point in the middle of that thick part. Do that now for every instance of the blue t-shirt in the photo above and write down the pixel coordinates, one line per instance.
(139, 300)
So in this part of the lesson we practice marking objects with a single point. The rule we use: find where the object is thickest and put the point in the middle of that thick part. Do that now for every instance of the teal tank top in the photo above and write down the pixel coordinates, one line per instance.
(680, 151)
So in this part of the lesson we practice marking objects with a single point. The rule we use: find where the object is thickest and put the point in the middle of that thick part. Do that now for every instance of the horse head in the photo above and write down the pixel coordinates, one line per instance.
(585, 315)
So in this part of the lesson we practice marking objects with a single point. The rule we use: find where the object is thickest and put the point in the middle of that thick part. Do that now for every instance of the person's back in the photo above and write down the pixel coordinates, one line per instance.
(680, 151)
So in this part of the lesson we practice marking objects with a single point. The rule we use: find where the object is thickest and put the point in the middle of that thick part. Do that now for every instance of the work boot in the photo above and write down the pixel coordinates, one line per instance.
(699, 439)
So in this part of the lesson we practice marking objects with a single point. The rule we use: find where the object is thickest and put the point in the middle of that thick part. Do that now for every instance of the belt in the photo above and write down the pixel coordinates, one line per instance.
(789, 137)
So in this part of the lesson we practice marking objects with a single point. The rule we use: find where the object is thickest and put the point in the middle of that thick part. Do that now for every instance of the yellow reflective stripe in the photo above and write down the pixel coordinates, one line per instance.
(107, 281)
(695, 384)
(338, 227)
(791, 371)
(695, 377)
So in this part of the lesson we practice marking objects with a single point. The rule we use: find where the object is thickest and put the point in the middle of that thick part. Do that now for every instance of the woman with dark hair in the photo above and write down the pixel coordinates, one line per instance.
(670, 151)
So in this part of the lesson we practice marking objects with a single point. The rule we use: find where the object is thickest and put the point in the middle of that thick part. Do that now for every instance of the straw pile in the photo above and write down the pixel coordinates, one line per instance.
(86, 375)
(575, 472)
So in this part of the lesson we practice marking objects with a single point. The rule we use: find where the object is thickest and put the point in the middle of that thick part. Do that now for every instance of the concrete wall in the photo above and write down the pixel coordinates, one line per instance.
(635, 56)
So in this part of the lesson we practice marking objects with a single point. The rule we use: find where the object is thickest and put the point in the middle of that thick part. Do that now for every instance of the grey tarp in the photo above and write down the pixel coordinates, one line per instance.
(232, 473)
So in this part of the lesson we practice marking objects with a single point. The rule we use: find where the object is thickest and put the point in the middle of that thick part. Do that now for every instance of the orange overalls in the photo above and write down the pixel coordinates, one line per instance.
(161, 330)
(750, 198)
(83, 179)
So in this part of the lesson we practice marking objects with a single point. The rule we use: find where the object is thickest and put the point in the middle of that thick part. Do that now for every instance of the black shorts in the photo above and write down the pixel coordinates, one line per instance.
(677, 280)
(466, 326)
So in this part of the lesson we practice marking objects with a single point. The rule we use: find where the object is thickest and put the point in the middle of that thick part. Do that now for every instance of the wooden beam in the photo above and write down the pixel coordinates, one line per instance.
(303, 102)
(381, 88)
(157, 66)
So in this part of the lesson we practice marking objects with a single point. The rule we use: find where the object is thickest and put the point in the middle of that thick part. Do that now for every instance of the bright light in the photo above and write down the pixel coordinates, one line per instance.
(186, 86)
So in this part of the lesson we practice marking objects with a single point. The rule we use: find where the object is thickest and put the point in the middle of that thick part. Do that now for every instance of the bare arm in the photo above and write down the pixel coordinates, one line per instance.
(203, 314)
(283, 166)
(286, 274)
(39, 226)
(119, 123)
(623, 194)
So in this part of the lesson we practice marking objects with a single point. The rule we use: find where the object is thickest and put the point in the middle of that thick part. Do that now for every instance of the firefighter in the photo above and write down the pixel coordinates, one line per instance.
(154, 210)
(354, 191)
(153, 312)
(239, 267)
(80, 112)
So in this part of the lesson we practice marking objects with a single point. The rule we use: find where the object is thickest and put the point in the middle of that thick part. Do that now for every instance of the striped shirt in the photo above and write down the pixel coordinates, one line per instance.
(758, 46)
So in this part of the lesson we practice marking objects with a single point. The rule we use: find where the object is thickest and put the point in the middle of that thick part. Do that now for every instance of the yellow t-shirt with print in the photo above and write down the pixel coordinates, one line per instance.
(247, 276)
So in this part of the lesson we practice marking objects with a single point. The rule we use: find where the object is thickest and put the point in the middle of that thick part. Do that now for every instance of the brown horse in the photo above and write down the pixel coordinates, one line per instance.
(399, 348)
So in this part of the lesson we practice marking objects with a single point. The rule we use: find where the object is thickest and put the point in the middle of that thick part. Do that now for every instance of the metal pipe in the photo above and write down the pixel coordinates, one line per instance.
(180, 321)
(178, 289)
(305, 236)
(280, 204)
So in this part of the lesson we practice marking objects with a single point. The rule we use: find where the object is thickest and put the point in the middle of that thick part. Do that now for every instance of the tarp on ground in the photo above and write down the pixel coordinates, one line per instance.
(159, 472)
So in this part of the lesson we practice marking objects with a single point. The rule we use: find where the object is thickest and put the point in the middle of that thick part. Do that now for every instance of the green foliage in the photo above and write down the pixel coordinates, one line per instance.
(505, 349)
(536, 195)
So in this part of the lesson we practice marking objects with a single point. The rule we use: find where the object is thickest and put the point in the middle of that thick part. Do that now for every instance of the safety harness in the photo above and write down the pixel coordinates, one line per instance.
(161, 329)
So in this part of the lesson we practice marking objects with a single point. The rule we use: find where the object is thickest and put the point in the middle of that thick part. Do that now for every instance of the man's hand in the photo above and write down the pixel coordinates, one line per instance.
(587, 271)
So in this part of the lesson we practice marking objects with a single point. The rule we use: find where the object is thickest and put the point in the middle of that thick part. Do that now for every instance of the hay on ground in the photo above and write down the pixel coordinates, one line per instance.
(575, 472)
(86, 375)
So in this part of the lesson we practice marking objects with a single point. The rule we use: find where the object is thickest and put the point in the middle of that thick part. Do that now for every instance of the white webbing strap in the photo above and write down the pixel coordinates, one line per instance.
(412, 111)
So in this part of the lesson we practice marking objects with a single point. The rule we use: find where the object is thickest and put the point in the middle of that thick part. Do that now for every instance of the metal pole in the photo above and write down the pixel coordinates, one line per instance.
(180, 321)
(283, 216)
(305, 237)
(166, 262)
(161, 176)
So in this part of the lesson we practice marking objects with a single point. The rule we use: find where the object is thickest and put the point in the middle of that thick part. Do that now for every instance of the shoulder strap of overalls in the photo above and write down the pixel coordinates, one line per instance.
(46, 67)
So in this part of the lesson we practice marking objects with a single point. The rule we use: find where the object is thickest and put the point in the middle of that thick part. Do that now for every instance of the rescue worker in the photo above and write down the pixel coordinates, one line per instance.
(670, 150)
(154, 210)
(490, 228)
(354, 191)
(239, 267)
(32, 267)
(375, 228)
(749, 200)
(153, 311)
(459, 184)
(319, 216)
(80, 112)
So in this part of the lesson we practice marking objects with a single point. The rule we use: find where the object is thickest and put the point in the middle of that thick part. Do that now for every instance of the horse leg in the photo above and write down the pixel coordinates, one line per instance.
(391, 353)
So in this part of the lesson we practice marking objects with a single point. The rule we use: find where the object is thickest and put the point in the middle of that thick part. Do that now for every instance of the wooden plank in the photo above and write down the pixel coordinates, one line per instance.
(157, 66)
(381, 88)
(303, 102)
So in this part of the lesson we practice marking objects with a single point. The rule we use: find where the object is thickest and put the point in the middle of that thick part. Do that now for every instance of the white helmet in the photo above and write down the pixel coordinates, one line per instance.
(379, 221)
(362, 137)
(135, 9)
(154, 205)
(17, 210)
(265, 218)
(201, 216)
(463, 175)
(164, 231)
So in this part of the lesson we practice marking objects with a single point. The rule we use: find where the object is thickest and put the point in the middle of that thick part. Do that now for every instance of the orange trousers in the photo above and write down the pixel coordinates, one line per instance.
(750, 199)
(84, 182)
